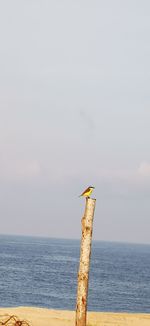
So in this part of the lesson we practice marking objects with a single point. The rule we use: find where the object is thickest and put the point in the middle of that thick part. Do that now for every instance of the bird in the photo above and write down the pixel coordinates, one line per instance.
(87, 192)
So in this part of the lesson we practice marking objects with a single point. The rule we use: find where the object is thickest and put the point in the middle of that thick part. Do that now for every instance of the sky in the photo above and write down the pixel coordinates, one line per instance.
(74, 112)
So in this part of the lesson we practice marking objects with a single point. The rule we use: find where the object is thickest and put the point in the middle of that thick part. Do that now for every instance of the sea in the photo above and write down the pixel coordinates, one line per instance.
(42, 272)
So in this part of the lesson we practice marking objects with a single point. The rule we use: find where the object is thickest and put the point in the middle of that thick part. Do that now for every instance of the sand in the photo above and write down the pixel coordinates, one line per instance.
(46, 317)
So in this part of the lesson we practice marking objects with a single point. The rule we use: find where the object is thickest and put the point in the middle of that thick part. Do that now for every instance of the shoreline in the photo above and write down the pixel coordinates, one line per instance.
(45, 317)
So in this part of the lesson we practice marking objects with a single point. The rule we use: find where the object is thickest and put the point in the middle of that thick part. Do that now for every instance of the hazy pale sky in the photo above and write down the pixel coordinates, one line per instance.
(74, 111)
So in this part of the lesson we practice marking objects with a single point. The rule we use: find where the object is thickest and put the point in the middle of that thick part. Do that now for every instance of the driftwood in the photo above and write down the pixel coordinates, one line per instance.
(12, 321)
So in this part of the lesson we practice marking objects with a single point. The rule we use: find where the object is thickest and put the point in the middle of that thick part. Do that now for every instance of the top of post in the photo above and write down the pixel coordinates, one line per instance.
(90, 199)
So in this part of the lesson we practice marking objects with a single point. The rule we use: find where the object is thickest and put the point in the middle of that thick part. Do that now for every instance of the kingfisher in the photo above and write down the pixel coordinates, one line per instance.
(87, 192)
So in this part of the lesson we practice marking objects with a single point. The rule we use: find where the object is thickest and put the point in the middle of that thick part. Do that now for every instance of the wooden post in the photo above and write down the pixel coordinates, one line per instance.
(85, 252)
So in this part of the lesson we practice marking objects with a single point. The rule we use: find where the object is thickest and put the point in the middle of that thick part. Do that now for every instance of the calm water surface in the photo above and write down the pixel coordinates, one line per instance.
(43, 272)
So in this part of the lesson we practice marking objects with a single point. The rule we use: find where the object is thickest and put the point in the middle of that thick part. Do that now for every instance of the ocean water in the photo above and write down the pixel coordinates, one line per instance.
(43, 272)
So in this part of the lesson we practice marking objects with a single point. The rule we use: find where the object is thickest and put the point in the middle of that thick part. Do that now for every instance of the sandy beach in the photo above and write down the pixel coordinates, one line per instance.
(46, 317)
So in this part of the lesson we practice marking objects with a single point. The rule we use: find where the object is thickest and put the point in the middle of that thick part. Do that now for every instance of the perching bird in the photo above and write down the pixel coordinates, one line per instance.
(87, 192)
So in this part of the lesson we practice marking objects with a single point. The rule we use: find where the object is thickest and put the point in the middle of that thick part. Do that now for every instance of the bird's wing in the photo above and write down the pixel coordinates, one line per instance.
(86, 190)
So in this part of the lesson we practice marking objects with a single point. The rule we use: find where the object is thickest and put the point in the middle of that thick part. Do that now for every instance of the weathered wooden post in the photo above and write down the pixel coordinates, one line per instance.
(85, 252)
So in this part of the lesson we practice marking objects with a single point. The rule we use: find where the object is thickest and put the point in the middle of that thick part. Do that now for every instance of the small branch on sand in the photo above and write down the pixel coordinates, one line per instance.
(12, 321)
